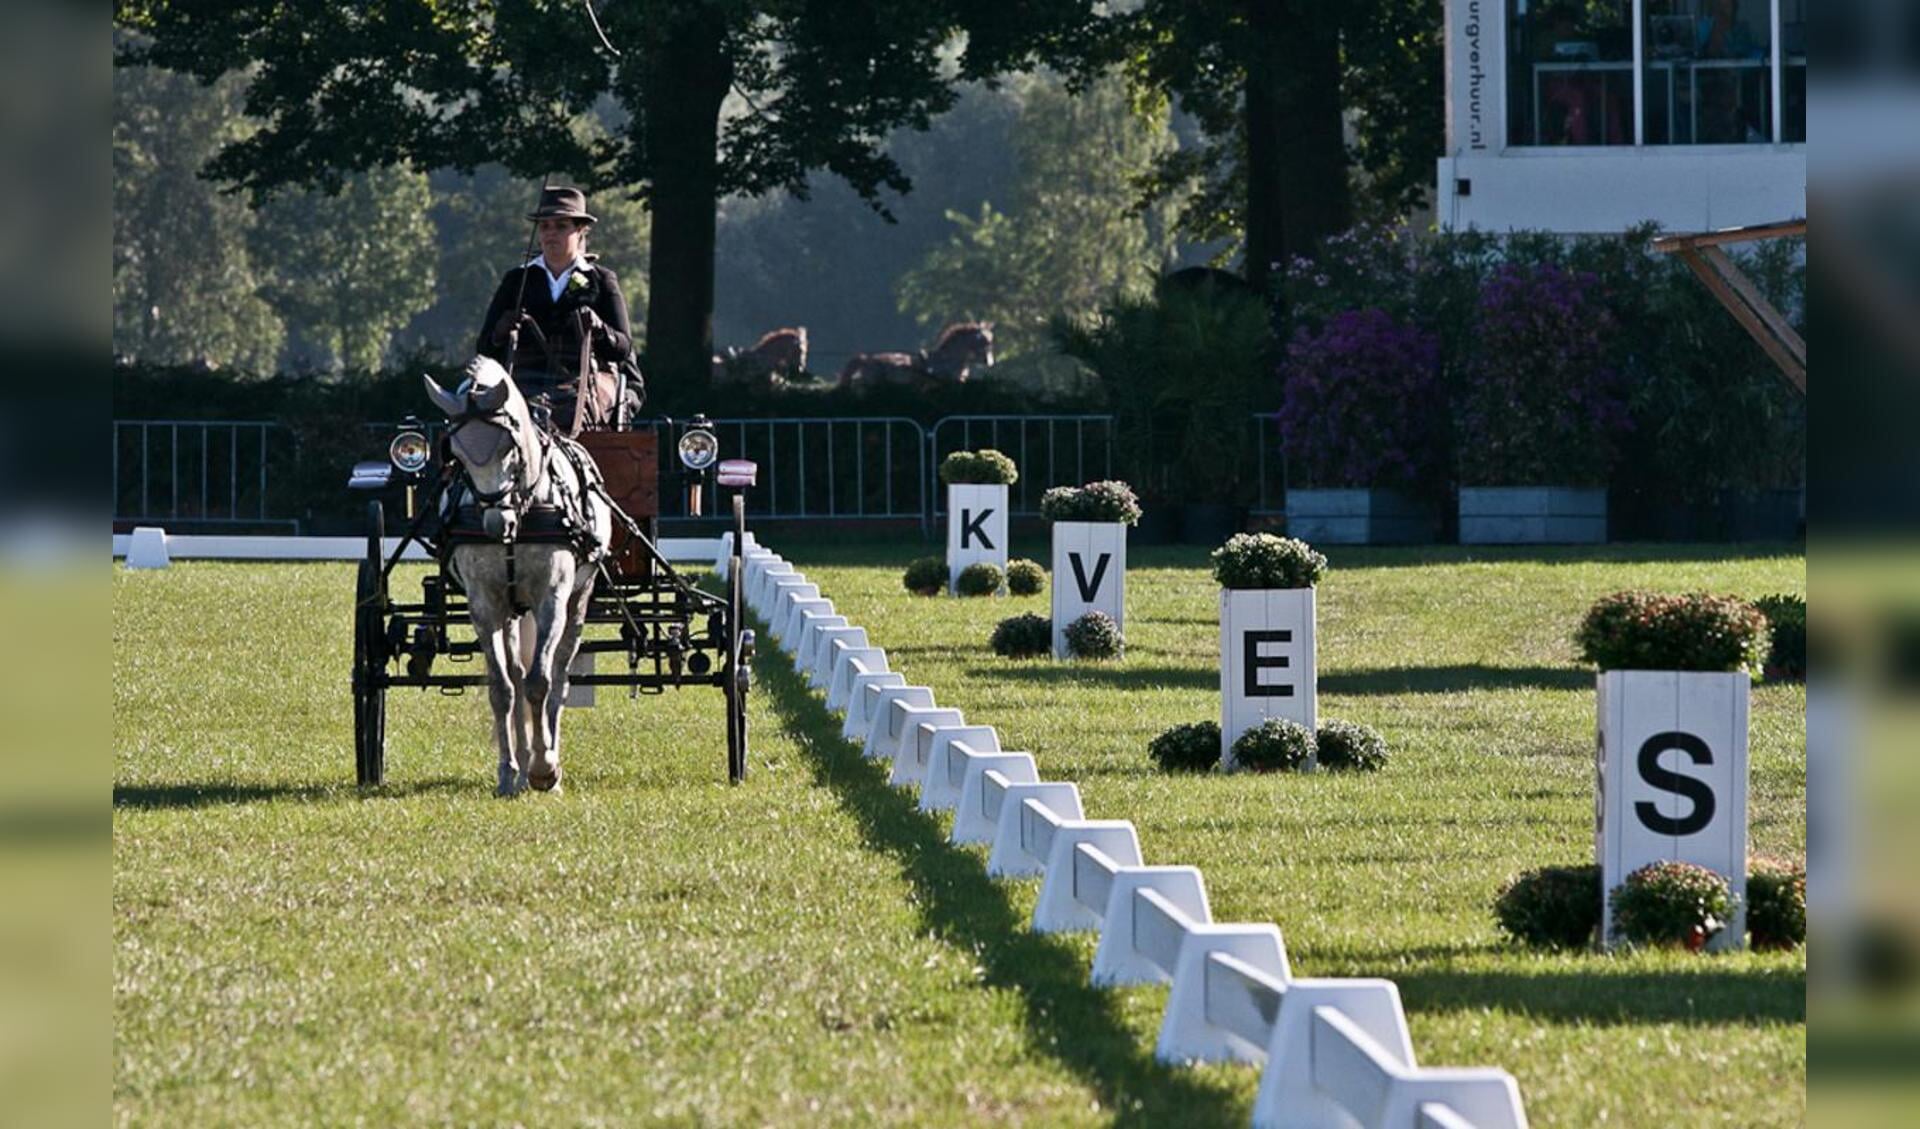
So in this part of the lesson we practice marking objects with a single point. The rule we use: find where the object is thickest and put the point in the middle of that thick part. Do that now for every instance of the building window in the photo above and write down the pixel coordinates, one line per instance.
(1706, 72)
(1709, 72)
(1570, 72)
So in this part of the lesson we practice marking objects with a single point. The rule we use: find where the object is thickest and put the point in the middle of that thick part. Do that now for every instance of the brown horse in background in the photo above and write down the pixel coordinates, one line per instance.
(958, 349)
(779, 356)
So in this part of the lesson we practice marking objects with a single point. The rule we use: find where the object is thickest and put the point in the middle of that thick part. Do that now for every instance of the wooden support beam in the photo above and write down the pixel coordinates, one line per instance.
(1725, 280)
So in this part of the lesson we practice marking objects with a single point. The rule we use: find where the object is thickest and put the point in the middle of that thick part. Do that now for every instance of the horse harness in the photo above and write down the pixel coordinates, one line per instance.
(520, 519)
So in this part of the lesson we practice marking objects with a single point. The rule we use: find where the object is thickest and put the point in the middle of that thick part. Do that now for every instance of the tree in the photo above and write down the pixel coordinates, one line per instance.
(184, 284)
(1069, 238)
(351, 268)
(1265, 80)
(338, 89)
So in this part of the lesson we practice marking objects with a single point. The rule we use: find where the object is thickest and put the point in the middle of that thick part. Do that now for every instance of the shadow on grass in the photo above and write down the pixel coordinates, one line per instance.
(1079, 1025)
(1123, 676)
(207, 794)
(1708, 996)
(1452, 679)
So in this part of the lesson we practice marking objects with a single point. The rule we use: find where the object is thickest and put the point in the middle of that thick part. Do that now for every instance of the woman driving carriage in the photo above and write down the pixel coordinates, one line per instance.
(565, 306)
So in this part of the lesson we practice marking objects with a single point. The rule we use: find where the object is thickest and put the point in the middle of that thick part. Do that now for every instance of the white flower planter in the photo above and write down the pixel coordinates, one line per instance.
(1089, 574)
(1672, 780)
(1266, 661)
(1532, 515)
(976, 528)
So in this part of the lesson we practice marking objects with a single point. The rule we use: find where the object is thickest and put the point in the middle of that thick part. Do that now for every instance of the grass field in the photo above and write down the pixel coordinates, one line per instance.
(654, 945)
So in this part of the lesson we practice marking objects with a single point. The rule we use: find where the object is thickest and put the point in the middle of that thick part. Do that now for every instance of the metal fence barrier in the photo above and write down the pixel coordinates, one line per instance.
(1050, 450)
(198, 472)
(187, 473)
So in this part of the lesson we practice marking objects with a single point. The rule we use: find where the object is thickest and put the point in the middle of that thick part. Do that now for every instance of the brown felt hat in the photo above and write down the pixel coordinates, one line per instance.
(562, 203)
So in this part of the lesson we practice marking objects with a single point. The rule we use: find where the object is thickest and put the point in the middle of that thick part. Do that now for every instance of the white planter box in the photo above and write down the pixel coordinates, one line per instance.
(1532, 515)
(976, 528)
(1672, 779)
(1089, 574)
(1266, 661)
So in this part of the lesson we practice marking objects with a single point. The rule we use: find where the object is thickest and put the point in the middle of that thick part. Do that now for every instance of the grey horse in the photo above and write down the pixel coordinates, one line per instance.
(528, 599)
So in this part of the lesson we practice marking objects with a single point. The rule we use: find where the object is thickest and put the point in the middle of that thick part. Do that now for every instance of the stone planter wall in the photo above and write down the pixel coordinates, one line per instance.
(1360, 517)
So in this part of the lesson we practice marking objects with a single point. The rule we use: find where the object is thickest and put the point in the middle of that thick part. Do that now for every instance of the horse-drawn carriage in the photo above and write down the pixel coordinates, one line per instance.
(664, 630)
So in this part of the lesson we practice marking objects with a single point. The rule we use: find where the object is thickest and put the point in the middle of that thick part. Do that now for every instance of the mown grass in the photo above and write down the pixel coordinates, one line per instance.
(654, 945)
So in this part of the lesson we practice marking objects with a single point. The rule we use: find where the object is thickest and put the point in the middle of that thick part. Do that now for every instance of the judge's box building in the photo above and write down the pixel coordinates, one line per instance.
(1596, 115)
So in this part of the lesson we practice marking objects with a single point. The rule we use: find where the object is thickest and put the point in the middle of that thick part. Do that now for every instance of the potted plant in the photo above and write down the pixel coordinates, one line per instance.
(1676, 673)
(1266, 633)
(1089, 552)
(1541, 410)
(1360, 423)
(977, 484)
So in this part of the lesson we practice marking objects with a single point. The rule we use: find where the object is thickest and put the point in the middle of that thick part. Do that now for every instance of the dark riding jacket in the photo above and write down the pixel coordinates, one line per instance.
(555, 348)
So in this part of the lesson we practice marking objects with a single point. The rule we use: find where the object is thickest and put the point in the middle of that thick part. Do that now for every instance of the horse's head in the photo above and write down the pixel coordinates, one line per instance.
(491, 434)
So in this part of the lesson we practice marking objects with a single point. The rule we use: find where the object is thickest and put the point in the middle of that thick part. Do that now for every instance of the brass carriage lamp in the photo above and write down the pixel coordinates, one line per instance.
(410, 453)
(699, 450)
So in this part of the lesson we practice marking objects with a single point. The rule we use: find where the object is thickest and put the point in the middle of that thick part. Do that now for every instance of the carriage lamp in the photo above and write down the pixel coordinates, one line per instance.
(698, 450)
(410, 451)
(698, 447)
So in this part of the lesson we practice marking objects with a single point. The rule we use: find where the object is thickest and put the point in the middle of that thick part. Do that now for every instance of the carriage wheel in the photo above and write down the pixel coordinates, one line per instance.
(738, 662)
(370, 657)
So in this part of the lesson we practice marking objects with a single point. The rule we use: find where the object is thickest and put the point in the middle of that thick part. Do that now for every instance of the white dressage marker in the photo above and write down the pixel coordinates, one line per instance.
(909, 753)
(1011, 856)
(847, 662)
(1120, 959)
(1060, 908)
(976, 815)
(860, 702)
(946, 762)
(881, 719)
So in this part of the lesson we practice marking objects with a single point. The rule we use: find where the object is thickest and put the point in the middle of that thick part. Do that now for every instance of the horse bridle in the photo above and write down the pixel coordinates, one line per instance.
(513, 498)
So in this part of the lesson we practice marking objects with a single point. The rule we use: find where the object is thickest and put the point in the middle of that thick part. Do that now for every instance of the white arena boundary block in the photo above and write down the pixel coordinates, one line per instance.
(806, 654)
(848, 661)
(1120, 959)
(754, 563)
(759, 571)
(881, 736)
(792, 601)
(1062, 908)
(771, 592)
(860, 702)
(976, 815)
(1188, 1033)
(147, 548)
(909, 752)
(830, 644)
(1288, 1094)
(723, 552)
(1360, 1073)
(947, 752)
(1016, 853)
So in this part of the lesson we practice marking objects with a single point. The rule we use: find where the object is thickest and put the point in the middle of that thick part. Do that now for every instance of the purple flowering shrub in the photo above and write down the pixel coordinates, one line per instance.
(1540, 402)
(1361, 402)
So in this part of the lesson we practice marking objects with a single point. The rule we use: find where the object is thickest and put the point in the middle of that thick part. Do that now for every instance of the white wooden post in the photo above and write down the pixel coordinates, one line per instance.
(1672, 780)
(1266, 660)
(976, 527)
(1089, 574)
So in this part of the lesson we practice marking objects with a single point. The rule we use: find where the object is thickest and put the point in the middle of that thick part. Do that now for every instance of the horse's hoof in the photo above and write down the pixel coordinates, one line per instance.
(509, 786)
(544, 783)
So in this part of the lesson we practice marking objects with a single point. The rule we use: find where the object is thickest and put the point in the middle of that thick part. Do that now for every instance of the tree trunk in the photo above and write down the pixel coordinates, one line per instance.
(688, 78)
(1297, 191)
